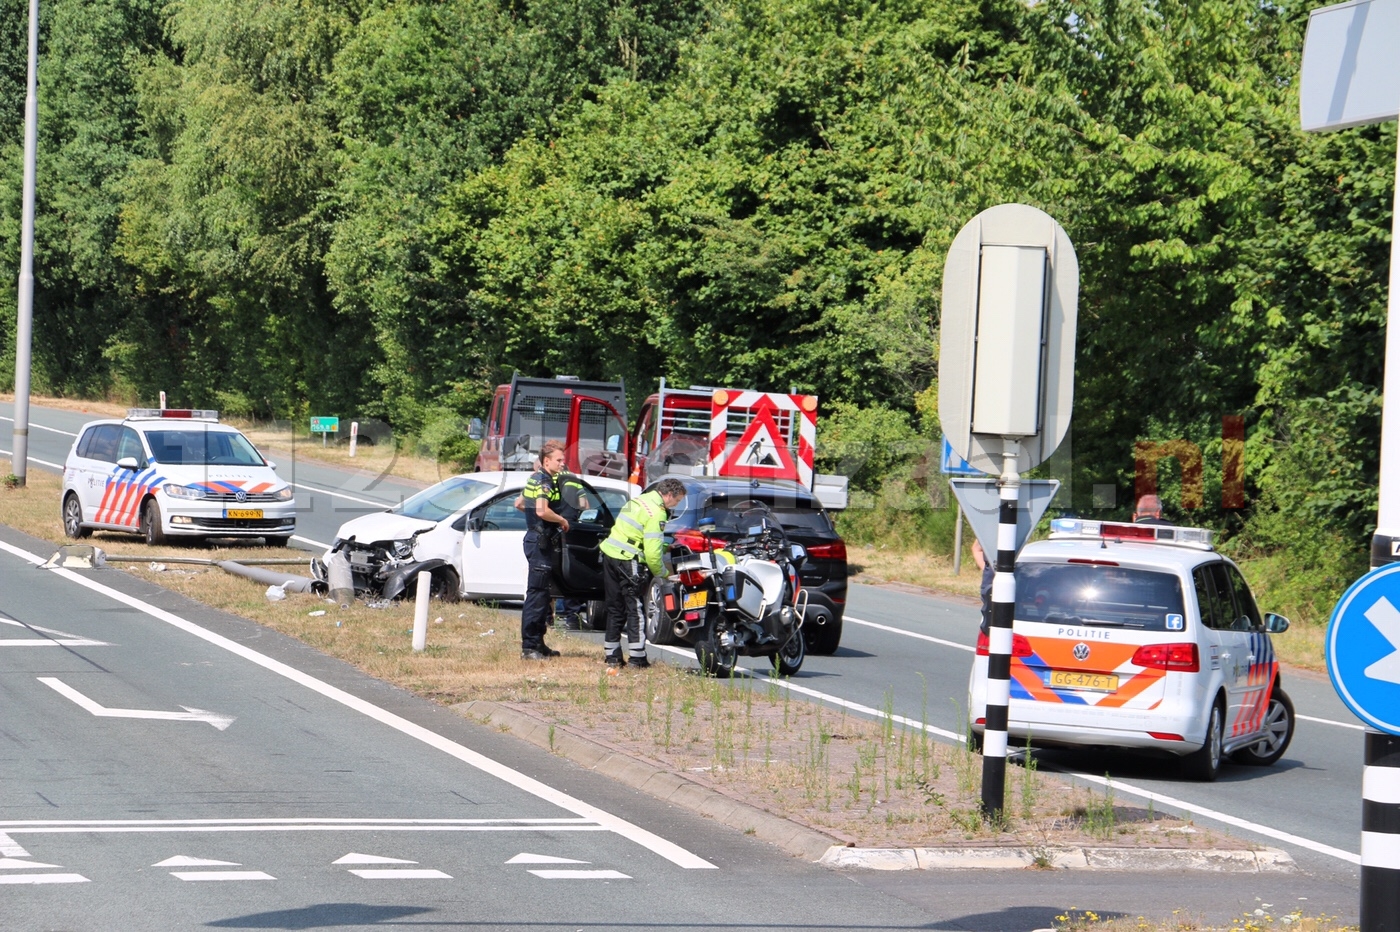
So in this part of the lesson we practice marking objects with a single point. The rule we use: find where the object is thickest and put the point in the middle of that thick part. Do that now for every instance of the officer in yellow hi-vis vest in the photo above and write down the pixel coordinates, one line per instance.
(635, 539)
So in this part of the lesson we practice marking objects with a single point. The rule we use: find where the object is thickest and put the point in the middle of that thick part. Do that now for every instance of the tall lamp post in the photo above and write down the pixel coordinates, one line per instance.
(24, 317)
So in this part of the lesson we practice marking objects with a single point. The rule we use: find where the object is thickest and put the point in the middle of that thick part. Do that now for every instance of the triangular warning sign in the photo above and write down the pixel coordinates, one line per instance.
(760, 451)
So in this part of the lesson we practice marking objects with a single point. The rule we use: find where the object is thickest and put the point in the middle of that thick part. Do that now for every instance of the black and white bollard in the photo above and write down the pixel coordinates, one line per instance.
(999, 641)
(1380, 834)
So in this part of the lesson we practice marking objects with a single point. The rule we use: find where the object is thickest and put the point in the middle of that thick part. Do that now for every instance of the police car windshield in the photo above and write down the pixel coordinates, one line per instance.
(1089, 594)
(195, 447)
(442, 500)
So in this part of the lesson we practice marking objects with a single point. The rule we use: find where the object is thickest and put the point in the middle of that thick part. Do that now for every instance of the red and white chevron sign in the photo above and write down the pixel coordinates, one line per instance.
(763, 435)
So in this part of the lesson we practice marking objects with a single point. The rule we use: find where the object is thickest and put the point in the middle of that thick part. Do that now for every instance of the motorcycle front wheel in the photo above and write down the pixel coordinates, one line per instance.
(715, 660)
(788, 660)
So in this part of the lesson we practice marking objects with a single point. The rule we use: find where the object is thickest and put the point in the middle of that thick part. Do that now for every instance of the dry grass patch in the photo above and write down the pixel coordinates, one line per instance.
(1262, 918)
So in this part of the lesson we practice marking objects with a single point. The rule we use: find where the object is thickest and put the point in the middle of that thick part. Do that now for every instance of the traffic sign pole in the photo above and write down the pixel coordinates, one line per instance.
(999, 641)
(1380, 834)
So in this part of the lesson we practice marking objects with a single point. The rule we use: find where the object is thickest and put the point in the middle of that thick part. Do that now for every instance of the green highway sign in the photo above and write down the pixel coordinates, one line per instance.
(325, 425)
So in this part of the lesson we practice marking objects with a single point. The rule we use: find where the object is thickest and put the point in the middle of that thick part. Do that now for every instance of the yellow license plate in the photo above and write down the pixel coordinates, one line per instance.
(243, 513)
(696, 599)
(1094, 682)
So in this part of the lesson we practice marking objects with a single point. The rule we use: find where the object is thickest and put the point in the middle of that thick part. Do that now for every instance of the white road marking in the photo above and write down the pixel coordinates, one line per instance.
(1222, 817)
(202, 826)
(56, 466)
(58, 638)
(1328, 721)
(400, 873)
(541, 859)
(355, 858)
(43, 878)
(348, 498)
(33, 426)
(580, 875)
(9, 849)
(827, 697)
(17, 864)
(184, 860)
(222, 875)
(314, 543)
(635, 833)
(910, 634)
(220, 722)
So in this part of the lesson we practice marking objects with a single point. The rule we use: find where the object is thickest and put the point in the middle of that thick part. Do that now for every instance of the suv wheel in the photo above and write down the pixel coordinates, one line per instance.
(1204, 765)
(73, 518)
(151, 528)
(1278, 732)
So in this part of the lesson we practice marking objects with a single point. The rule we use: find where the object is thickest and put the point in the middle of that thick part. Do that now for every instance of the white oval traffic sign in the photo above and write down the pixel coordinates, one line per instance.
(1363, 648)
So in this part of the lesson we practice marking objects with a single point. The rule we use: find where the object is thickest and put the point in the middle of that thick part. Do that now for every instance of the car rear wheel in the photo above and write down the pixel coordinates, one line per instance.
(658, 623)
(822, 629)
(597, 615)
(73, 518)
(1204, 765)
(151, 528)
(1278, 732)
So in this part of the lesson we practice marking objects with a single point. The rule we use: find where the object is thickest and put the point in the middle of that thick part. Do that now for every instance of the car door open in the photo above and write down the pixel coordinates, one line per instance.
(578, 564)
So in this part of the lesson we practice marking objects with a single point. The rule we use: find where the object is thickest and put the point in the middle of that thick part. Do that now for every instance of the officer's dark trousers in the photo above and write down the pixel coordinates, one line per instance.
(622, 580)
(539, 606)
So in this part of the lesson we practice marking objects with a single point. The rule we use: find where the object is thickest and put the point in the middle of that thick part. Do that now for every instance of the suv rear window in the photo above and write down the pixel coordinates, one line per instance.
(791, 516)
(1088, 594)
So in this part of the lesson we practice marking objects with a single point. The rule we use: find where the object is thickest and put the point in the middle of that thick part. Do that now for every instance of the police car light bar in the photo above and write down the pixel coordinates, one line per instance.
(1064, 528)
(195, 414)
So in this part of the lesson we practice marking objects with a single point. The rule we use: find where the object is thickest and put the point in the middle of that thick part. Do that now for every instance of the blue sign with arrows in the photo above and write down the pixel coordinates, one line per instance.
(954, 465)
(1363, 648)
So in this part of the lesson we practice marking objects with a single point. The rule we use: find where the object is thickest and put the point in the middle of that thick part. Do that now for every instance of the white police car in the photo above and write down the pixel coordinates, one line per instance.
(1142, 637)
(167, 472)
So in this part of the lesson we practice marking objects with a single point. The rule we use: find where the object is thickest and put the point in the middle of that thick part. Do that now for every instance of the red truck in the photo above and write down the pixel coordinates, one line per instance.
(590, 417)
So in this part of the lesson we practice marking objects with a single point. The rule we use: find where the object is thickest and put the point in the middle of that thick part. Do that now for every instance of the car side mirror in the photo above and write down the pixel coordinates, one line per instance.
(797, 552)
(589, 516)
(1275, 624)
(475, 522)
(474, 430)
(128, 462)
(270, 464)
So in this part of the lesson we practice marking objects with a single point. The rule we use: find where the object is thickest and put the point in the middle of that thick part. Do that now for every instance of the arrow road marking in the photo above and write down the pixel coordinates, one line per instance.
(184, 860)
(357, 858)
(580, 875)
(56, 639)
(1387, 621)
(527, 858)
(189, 715)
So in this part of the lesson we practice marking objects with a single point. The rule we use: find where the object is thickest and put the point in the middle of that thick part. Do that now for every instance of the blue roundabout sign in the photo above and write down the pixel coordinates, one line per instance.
(1363, 648)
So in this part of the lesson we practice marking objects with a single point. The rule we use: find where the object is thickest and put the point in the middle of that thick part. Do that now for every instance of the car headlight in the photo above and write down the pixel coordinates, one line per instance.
(184, 491)
(283, 494)
(403, 549)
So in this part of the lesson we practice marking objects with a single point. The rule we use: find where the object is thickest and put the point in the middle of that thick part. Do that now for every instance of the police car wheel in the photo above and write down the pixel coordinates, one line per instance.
(1204, 765)
(151, 528)
(1278, 732)
(73, 518)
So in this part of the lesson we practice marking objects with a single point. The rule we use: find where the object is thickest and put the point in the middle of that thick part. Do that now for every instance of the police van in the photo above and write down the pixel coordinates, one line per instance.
(173, 472)
(1140, 637)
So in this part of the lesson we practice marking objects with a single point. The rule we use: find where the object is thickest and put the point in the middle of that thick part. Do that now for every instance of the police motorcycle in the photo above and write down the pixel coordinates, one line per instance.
(740, 599)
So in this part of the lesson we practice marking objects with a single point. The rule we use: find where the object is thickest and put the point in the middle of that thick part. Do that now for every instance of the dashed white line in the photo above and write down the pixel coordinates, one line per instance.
(43, 878)
(222, 875)
(580, 875)
(400, 873)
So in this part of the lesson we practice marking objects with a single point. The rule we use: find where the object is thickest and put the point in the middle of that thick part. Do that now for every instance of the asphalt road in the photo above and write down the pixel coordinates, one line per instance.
(911, 653)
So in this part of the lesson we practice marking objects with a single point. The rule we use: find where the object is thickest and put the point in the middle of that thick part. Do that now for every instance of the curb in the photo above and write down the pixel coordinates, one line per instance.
(819, 847)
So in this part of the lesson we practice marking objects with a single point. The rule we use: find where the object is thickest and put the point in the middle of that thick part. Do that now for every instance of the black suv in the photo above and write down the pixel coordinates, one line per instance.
(804, 521)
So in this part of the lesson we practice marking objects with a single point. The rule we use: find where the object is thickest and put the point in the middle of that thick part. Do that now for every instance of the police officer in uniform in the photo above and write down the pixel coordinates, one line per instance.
(634, 544)
(543, 527)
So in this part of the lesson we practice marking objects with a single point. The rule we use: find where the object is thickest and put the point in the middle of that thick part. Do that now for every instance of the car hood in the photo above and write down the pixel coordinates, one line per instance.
(382, 525)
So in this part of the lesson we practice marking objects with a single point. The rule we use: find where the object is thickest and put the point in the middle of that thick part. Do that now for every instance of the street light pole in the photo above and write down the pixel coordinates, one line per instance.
(24, 317)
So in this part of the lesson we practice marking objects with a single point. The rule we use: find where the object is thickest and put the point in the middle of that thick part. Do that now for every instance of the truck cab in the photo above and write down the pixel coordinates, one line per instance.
(589, 417)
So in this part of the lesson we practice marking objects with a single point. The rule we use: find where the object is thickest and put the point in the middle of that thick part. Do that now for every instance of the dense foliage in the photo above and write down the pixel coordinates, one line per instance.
(382, 207)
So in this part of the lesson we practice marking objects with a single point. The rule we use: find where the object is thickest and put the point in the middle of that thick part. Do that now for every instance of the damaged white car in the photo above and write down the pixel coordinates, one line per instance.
(468, 533)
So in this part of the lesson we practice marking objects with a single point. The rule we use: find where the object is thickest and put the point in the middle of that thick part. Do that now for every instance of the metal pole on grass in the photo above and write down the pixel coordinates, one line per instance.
(1000, 639)
(24, 316)
(420, 610)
